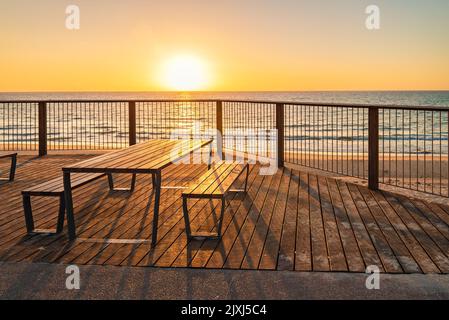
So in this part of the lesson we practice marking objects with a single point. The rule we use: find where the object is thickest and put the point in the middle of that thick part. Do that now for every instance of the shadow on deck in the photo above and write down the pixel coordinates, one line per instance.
(294, 220)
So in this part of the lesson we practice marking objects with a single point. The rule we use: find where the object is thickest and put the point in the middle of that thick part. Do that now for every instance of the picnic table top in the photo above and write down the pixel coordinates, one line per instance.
(146, 157)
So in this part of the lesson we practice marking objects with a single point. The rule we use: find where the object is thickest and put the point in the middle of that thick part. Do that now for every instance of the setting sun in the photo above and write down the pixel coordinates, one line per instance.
(185, 73)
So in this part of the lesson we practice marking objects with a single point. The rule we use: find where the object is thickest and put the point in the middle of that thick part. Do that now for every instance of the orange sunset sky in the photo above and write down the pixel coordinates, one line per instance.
(230, 45)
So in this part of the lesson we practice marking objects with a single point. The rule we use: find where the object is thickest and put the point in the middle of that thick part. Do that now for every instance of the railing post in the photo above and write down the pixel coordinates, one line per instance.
(132, 122)
(373, 148)
(280, 133)
(219, 126)
(42, 114)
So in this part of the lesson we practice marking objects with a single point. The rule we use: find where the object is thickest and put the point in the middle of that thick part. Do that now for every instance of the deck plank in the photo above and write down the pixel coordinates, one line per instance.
(427, 223)
(389, 261)
(320, 255)
(337, 258)
(270, 251)
(255, 247)
(423, 239)
(397, 246)
(303, 257)
(369, 253)
(419, 254)
(286, 259)
(349, 242)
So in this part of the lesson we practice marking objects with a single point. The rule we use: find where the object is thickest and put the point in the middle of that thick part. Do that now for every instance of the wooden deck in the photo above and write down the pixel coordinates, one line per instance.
(290, 221)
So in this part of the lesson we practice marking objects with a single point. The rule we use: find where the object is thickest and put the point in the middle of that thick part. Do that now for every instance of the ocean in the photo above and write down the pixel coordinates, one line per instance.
(404, 98)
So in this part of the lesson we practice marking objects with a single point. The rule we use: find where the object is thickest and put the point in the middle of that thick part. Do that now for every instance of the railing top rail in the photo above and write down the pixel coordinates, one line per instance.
(271, 102)
(346, 105)
(107, 100)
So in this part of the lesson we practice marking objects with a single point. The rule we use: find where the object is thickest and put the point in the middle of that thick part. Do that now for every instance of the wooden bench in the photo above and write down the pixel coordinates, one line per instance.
(12, 170)
(55, 188)
(216, 183)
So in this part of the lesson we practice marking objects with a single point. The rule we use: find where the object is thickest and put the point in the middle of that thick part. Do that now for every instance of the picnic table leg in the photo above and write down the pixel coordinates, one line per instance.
(60, 224)
(246, 178)
(12, 171)
(209, 162)
(69, 206)
(153, 181)
(133, 182)
(157, 195)
(110, 181)
(28, 213)
(220, 223)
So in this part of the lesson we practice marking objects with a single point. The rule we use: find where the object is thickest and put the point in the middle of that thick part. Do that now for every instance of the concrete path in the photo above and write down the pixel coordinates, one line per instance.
(48, 281)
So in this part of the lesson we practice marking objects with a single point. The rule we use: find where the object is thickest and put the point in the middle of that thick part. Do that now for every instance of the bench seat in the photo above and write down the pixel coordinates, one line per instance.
(55, 187)
(12, 170)
(216, 183)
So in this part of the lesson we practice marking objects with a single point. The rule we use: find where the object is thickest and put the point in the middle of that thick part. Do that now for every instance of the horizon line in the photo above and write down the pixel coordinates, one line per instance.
(224, 91)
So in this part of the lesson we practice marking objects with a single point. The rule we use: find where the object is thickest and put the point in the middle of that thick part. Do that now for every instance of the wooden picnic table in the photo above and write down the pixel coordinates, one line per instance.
(145, 158)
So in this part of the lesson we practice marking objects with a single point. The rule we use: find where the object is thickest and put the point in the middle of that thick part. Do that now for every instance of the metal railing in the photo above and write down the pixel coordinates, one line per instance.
(329, 138)
(159, 119)
(413, 149)
(86, 125)
(400, 146)
(19, 126)
(250, 127)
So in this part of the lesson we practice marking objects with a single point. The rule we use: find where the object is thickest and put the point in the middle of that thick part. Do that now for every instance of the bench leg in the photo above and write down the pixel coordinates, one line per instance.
(157, 196)
(29, 221)
(185, 211)
(61, 214)
(28, 213)
(111, 183)
(203, 235)
(245, 188)
(12, 171)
